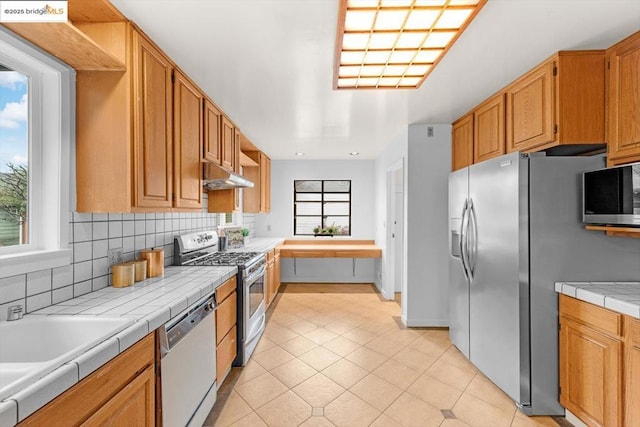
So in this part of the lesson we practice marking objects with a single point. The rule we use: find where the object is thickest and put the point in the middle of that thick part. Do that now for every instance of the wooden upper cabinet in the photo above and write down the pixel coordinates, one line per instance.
(488, 129)
(236, 150)
(212, 133)
(560, 102)
(258, 198)
(228, 144)
(187, 123)
(462, 142)
(623, 99)
(153, 111)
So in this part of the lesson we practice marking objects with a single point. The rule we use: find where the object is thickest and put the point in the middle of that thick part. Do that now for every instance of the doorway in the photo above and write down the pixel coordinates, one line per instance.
(395, 233)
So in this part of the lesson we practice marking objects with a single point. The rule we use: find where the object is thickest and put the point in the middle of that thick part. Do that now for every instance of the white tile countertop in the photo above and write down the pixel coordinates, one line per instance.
(150, 304)
(622, 297)
(261, 244)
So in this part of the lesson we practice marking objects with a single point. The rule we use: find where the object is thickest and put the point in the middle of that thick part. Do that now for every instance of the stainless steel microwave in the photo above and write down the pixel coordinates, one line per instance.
(612, 196)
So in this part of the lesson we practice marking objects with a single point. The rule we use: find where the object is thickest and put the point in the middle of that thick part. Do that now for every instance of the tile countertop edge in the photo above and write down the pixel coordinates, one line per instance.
(20, 405)
(614, 296)
(262, 244)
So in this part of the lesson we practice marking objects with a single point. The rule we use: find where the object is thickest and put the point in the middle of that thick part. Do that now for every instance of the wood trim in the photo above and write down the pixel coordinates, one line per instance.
(94, 11)
(601, 319)
(83, 399)
(78, 50)
(615, 231)
(247, 161)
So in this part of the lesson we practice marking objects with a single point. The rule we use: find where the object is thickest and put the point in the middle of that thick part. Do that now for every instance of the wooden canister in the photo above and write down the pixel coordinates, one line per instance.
(155, 261)
(122, 275)
(140, 266)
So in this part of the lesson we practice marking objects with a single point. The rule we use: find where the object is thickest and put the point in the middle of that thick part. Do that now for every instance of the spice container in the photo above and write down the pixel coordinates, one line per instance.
(140, 266)
(155, 261)
(122, 275)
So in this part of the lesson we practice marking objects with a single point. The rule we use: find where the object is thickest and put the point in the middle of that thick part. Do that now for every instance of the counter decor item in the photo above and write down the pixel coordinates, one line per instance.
(140, 266)
(122, 275)
(155, 261)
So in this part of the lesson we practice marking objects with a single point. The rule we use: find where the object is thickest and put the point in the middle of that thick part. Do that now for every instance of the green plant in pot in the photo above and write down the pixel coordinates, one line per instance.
(330, 230)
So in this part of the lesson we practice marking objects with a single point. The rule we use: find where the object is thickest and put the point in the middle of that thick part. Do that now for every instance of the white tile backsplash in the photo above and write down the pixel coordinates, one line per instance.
(90, 237)
(38, 282)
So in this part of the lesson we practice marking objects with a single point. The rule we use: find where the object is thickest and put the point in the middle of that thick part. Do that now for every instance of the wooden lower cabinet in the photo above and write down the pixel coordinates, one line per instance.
(226, 333)
(599, 364)
(276, 271)
(632, 377)
(270, 289)
(120, 393)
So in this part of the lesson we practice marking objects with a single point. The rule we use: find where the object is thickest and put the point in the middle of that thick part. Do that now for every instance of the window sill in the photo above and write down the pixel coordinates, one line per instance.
(27, 262)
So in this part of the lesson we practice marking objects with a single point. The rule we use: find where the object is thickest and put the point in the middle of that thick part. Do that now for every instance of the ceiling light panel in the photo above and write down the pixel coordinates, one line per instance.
(396, 43)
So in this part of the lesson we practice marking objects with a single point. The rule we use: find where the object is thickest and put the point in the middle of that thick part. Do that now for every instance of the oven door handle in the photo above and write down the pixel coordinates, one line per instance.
(249, 280)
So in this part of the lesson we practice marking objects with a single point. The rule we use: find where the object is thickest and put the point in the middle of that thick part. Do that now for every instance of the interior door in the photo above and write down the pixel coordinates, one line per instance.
(499, 298)
(458, 284)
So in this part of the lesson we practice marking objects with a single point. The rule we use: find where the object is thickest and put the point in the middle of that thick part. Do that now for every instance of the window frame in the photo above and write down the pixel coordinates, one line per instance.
(322, 202)
(51, 125)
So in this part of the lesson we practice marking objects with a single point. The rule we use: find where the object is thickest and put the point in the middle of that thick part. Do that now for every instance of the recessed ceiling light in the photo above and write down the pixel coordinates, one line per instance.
(354, 153)
(299, 153)
(384, 44)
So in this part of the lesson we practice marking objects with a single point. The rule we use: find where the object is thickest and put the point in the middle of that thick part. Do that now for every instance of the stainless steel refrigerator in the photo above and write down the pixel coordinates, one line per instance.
(514, 230)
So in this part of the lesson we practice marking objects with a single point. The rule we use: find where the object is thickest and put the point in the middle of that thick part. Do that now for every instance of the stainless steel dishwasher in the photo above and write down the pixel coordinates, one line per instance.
(188, 365)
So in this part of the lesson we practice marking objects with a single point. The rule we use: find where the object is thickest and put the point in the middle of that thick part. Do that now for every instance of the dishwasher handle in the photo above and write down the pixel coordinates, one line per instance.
(173, 332)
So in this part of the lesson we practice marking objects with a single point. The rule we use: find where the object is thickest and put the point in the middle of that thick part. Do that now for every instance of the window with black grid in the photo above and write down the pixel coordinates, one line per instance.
(321, 207)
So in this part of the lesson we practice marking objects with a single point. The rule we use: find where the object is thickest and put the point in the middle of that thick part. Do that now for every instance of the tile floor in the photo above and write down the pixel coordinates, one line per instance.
(339, 355)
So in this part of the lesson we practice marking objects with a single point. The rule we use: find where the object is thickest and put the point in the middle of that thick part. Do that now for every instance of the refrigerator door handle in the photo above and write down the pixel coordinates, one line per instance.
(464, 225)
(473, 226)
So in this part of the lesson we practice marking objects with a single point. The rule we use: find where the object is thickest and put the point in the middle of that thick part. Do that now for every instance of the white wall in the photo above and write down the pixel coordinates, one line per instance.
(428, 167)
(279, 222)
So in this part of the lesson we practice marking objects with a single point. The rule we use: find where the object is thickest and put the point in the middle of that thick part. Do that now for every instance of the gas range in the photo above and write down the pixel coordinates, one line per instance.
(201, 249)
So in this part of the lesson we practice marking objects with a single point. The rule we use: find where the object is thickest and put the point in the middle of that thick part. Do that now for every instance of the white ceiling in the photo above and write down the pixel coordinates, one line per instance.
(269, 64)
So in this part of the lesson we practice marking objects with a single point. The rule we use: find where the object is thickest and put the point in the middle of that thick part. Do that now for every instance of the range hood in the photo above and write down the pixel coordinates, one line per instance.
(217, 178)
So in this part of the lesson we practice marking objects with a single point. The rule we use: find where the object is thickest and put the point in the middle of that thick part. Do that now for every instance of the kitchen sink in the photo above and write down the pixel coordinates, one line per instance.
(34, 346)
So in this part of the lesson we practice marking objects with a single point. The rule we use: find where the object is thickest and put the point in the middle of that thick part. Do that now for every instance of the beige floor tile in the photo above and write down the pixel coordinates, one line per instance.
(251, 420)
(434, 392)
(359, 335)
(293, 372)
(367, 358)
(453, 423)
(272, 358)
(287, 410)
(284, 318)
(345, 373)
(385, 421)
(261, 390)
(410, 411)
(455, 357)
(318, 390)
(339, 327)
(376, 391)
(482, 388)
(302, 326)
(251, 370)
(317, 422)
(298, 345)
(319, 358)
(320, 335)
(279, 335)
(264, 344)
(350, 411)
(428, 345)
(234, 409)
(397, 374)
(341, 346)
(478, 413)
(414, 359)
(521, 420)
(384, 346)
(450, 374)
